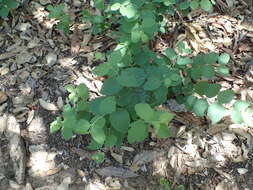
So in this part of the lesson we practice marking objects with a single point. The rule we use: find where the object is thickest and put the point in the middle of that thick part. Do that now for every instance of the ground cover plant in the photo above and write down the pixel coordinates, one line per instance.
(6, 6)
(138, 80)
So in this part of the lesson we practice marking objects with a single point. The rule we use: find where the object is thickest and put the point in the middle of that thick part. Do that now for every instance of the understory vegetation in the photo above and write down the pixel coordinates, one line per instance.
(137, 79)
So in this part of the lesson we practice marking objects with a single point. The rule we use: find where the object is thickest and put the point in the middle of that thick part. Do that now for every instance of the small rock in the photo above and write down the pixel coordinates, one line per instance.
(37, 131)
(48, 106)
(14, 185)
(17, 149)
(242, 171)
(77, 3)
(60, 103)
(51, 59)
(28, 186)
(3, 97)
(3, 124)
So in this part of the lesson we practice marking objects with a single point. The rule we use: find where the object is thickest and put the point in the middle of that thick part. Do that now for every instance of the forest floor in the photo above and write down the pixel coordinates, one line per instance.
(37, 61)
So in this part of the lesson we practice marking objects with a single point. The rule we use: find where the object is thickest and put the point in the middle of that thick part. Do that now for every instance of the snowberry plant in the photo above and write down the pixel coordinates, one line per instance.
(138, 80)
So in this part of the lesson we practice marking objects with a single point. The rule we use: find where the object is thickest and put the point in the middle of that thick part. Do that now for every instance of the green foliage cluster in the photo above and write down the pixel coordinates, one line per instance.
(137, 80)
(6, 6)
(58, 13)
(167, 185)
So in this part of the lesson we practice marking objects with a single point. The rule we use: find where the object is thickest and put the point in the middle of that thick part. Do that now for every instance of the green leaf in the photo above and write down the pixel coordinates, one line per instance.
(111, 87)
(206, 5)
(170, 53)
(212, 90)
(82, 127)
(194, 4)
(99, 4)
(215, 112)
(200, 107)
(138, 132)
(226, 96)
(223, 70)
(103, 105)
(163, 117)
(224, 58)
(184, 5)
(99, 157)
(162, 130)
(136, 35)
(144, 111)
(208, 71)
(128, 10)
(132, 77)
(115, 6)
(120, 120)
(97, 129)
(102, 69)
(66, 133)
(152, 83)
(55, 125)
(11, 4)
(98, 56)
(200, 87)
(184, 61)
(93, 145)
(83, 91)
(70, 88)
(239, 107)
(4, 12)
(211, 58)
(82, 106)
(111, 138)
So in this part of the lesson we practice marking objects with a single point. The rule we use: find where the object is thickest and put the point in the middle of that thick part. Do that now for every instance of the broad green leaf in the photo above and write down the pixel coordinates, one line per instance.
(111, 138)
(4, 12)
(190, 100)
(66, 133)
(226, 96)
(99, 4)
(206, 5)
(211, 58)
(103, 105)
(136, 35)
(102, 69)
(93, 145)
(241, 105)
(208, 71)
(200, 87)
(224, 58)
(236, 116)
(194, 4)
(11, 4)
(111, 87)
(184, 5)
(163, 117)
(138, 132)
(82, 126)
(82, 106)
(162, 130)
(238, 107)
(97, 130)
(215, 112)
(184, 61)
(132, 77)
(98, 55)
(200, 107)
(55, 125)
(83, 91)
(144, 111)
(212, 90)
(99, 157)
(223, 70)
(170, 53)
(152, 83)
(120, 120)
(128, 10)
(160, 95)
(70, 88)
(115, 6)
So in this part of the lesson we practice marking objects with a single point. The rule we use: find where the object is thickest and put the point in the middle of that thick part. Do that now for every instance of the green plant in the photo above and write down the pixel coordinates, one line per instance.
(58, 13)
(98, 157)
(166, 185)
(137, 80)
(6, 6)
